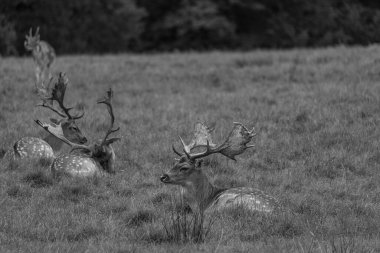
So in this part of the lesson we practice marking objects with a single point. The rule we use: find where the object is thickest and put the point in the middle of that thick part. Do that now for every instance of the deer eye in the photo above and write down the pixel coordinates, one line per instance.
(184, 169)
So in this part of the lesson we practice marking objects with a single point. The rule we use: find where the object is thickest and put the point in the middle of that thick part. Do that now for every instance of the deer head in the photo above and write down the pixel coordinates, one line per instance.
(187, 168)
(101, 151)
(31, 41)
(55, 92)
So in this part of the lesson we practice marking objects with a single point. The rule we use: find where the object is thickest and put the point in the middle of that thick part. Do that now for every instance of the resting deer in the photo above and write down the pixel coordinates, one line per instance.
(201, 194)
(37, 148)
(43, 55)
(85, 160)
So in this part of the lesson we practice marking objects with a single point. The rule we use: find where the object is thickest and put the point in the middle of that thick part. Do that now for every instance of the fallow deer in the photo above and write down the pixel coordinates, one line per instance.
(85, 160)
(43, 55)
(201, 194)
(37, 148)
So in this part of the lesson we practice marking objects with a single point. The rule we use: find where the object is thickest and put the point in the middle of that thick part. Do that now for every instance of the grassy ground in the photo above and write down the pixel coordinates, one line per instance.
(317, 114)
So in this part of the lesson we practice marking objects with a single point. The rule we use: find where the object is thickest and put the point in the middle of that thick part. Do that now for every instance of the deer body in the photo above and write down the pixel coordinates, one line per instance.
(81, 165)
(199, 192)
(31, 147)
(43, 55)
(37, 148)
(75, 165)
(202, 195)
(85, 160)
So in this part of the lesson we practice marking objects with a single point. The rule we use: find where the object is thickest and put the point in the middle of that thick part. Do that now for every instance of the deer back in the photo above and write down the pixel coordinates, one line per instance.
(250, 198)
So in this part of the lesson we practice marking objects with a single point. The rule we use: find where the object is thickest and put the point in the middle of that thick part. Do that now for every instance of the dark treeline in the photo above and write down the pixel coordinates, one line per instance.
(100, 26)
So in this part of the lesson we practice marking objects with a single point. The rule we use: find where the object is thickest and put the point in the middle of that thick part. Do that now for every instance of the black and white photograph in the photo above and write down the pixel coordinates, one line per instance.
(190, 126)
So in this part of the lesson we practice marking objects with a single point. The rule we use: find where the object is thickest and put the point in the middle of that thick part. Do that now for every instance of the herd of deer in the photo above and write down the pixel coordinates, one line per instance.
(89, 160)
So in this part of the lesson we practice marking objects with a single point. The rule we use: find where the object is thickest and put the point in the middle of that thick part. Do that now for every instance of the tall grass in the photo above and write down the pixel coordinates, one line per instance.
(186, 226)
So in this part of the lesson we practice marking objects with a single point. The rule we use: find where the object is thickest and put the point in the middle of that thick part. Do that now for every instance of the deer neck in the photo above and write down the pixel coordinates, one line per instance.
(54, 142)
(201, 192)
(109, 164)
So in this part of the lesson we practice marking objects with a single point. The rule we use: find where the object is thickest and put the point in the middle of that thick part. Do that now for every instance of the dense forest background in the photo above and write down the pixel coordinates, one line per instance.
(103, 26)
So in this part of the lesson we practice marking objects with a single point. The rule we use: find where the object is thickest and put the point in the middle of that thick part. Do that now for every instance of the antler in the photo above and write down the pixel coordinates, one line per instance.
(57, 131)
(235, 144)
(107, 100)
(58, 94)
(36, 34)
(237, 141)
(202, 134)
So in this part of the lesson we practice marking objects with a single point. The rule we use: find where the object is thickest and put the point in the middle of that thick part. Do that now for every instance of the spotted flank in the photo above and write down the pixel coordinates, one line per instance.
(31, 147)
(250, 198)
(74, 165)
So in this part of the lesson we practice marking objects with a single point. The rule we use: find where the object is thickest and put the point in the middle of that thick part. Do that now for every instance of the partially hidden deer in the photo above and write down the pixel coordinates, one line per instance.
(43, 55)
(199, 192)
(45, 148)
(85, 160)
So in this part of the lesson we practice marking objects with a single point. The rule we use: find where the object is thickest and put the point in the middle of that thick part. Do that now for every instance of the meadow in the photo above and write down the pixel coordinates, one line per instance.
(316, 114)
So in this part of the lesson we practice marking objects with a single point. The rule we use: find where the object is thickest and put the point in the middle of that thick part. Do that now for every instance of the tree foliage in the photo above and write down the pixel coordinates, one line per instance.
(99, 26)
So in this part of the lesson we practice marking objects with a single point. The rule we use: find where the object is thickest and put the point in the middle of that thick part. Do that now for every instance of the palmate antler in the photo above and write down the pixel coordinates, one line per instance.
(235, 144)
(202, 134)
(57, 131)
(57, 93)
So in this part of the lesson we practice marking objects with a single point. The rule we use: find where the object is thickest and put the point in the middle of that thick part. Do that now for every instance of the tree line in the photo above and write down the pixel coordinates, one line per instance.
(112, 26)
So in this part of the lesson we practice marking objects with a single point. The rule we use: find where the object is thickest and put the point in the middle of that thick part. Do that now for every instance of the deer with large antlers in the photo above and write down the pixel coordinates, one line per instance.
(37, 148)
(43, 55)
(85, 160)
(201, 194)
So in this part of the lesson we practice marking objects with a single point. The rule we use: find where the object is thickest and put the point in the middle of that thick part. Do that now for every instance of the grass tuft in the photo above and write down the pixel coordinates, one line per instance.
(17, 191)
(38, 179)
(84, 234)
(140, 217)
(183, 227)
(75, 193)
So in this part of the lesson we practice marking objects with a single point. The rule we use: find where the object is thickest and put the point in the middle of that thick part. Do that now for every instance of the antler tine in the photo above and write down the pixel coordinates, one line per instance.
(175, 151)
(186, 148)
(209, 151)
(108, 102)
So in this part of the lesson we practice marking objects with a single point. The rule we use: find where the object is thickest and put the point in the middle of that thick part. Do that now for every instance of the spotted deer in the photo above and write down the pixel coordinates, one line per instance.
(43, 55)
(199, 192)
(85, 160)
(45, 148)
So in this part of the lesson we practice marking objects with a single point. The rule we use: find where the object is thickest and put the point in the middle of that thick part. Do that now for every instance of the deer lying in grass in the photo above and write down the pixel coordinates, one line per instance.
(43, 55)
(37, 148)
(198, 191)
(85, 160)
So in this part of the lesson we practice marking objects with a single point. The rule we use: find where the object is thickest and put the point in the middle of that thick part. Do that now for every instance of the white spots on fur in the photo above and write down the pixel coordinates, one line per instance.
(250, 198)
(75, 165)
(31, 147)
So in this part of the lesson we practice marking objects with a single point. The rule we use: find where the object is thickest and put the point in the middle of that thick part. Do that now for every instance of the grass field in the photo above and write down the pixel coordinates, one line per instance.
(317, 115)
